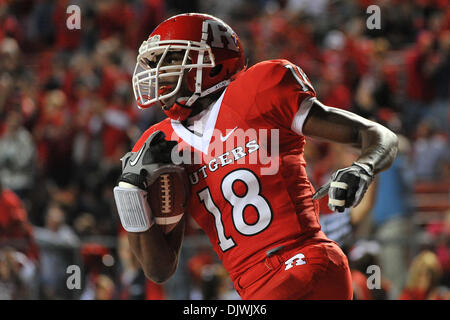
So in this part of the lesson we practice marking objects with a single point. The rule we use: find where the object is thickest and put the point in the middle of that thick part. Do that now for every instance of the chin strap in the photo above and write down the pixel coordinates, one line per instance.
(182, 108)
(179, 111)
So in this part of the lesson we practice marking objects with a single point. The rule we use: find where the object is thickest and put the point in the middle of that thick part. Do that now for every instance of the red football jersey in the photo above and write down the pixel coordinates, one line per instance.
(250, 190)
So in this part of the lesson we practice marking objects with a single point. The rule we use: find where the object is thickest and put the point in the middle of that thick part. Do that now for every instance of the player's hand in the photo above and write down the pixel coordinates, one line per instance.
(138, 167)
(346, 187)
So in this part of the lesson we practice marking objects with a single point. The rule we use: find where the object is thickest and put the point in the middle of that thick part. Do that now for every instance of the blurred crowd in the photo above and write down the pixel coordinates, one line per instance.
(67, 115)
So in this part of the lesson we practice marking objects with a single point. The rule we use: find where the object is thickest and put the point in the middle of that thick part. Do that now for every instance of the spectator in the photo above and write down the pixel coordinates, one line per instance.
(15, 230)
(210, 280)
(85, 225)
(439, 231)
(16, 275)
(132, 280)
(58, 243)
(17, 156)
(195, 265)
(419, 89)
(54, 137)
(93, 257)
(423, 277)
(430, 150)
(104, 288)
(215, 284)
(439, 70)
(391, 225)
(364, 254)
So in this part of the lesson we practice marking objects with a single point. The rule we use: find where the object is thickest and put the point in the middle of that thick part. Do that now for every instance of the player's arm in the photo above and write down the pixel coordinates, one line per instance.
(156, 251)
(378, 147)
(377, 143)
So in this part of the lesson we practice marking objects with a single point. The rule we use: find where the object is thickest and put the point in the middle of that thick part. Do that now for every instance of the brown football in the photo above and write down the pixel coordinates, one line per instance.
(168, 197)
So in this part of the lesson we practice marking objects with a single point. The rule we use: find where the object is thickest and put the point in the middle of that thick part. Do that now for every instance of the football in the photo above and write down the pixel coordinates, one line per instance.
(168, 197)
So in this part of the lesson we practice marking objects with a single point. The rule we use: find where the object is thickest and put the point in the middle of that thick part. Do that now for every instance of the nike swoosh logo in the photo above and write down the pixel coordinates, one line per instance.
(135, 160)
(228, 135)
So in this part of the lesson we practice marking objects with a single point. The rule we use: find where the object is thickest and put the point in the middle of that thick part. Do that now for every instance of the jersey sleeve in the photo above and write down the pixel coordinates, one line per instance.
(285, 95)
(143, 138)
(163, 125)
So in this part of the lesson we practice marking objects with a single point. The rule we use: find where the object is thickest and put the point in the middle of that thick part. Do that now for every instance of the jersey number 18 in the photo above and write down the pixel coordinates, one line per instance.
(252, 197)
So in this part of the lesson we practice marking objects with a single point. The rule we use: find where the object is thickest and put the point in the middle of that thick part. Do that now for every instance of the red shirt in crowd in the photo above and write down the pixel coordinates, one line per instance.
(15, 230)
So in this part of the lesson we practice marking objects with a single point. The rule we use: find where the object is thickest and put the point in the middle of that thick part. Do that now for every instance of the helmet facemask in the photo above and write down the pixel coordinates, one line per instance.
(156, 78)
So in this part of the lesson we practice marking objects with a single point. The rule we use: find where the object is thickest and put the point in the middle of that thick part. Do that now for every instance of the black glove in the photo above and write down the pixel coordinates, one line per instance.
(141, 168)
(346, 187)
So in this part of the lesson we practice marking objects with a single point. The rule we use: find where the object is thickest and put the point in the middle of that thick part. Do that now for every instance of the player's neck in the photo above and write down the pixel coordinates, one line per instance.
(203, 103)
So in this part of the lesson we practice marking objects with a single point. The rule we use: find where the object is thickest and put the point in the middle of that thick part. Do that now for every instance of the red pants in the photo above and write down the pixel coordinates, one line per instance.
(314, 271)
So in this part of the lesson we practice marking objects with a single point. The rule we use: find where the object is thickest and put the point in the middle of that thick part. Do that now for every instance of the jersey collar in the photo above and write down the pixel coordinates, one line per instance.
(200, 143)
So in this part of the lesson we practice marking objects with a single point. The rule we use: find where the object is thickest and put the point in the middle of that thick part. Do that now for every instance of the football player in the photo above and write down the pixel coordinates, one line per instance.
(237, 121)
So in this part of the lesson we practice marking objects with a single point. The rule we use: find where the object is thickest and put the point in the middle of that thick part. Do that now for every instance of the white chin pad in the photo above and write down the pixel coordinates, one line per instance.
(134, 212)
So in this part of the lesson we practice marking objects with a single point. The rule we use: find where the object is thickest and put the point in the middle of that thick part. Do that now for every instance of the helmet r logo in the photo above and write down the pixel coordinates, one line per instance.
(221, 35)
